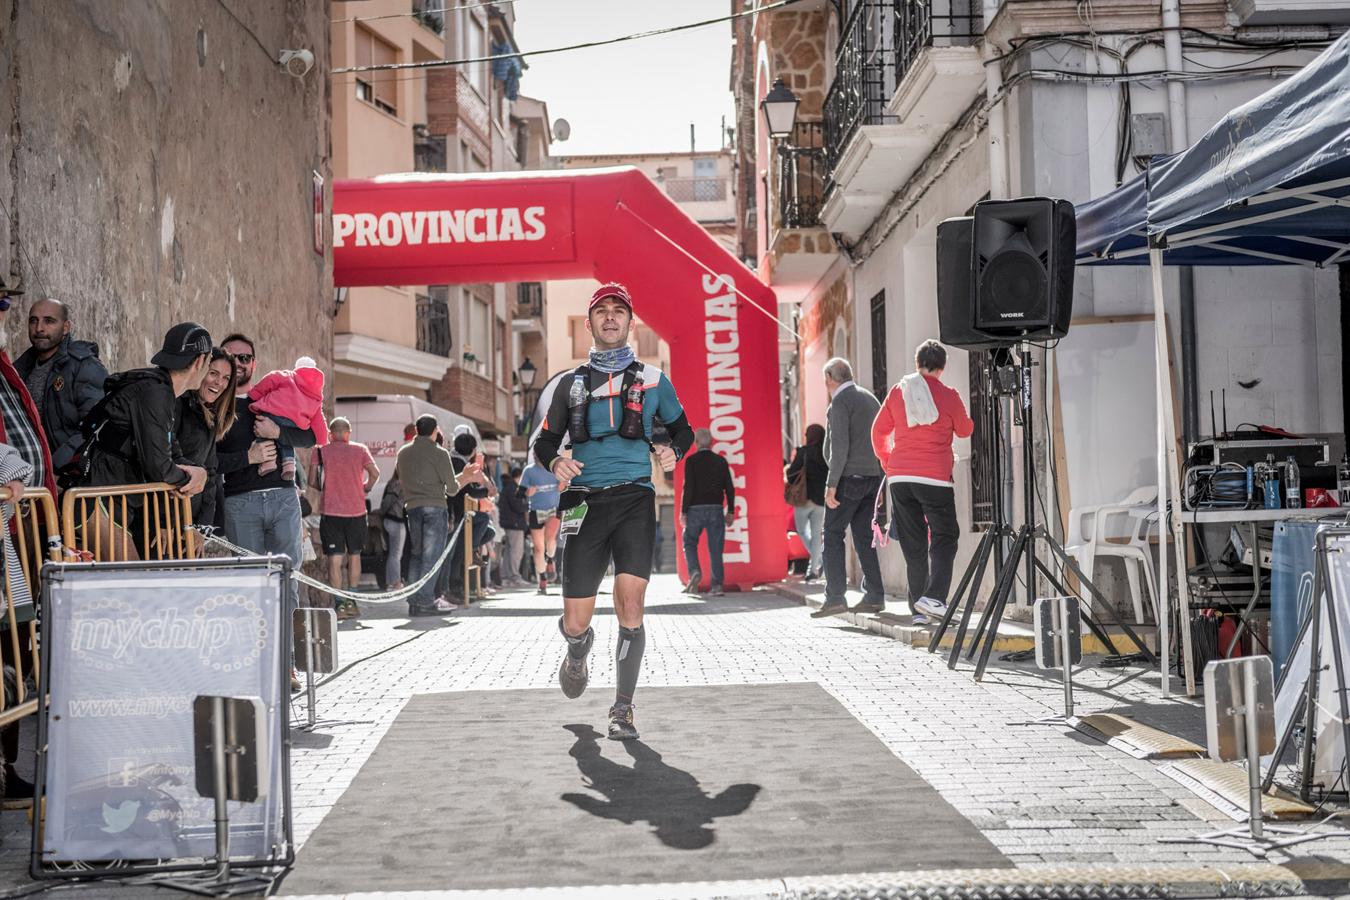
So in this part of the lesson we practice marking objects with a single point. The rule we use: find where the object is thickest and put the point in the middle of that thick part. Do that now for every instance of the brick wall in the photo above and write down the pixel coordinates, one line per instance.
(442, 100)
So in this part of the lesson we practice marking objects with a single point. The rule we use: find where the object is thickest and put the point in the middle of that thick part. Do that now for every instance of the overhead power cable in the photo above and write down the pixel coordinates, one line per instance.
(443, 9)
(438, 63)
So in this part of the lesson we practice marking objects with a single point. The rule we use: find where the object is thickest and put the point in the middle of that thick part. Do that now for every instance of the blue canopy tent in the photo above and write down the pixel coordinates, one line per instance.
(1269, 184)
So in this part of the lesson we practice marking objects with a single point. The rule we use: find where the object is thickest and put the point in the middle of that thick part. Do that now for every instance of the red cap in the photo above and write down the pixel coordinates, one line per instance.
(614, 290)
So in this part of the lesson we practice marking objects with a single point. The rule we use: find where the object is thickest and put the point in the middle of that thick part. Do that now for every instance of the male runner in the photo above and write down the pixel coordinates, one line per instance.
(612, 514)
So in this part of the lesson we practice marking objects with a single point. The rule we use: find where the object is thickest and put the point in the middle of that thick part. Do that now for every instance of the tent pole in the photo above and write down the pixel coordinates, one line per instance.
(1164, 611)
(1169, 473)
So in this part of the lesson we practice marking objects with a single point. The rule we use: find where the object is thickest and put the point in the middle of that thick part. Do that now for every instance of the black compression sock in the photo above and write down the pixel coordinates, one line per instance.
(579, 646)
(628, 661)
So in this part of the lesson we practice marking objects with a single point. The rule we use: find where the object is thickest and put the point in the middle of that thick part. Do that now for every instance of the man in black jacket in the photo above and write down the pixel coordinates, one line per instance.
(65, 377)
(511, 515)
(134, 441)
(707, 480)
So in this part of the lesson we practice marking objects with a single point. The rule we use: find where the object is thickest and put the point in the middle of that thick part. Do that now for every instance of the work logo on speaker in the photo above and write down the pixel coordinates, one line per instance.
(130, 652)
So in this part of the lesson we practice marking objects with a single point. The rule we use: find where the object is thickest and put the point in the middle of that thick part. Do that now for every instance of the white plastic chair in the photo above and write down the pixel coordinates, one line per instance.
(1118, 530)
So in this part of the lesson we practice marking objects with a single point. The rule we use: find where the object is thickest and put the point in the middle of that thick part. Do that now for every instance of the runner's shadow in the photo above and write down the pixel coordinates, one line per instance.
(680, 812)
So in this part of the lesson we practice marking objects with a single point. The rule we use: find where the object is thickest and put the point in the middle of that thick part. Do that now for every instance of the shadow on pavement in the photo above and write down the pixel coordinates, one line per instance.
(671, 800)
(709, 608)
(426, 623)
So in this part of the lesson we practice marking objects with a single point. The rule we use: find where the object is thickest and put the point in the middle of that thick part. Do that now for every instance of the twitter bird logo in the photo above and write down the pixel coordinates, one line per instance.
(119, 818)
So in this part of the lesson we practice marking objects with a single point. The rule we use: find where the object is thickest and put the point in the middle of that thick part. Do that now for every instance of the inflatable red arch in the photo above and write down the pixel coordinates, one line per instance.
(611, 225)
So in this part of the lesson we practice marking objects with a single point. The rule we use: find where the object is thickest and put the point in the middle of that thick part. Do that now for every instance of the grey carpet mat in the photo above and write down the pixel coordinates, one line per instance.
(518, 789)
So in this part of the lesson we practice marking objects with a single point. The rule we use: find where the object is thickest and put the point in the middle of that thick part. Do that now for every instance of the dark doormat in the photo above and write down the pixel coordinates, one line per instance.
(518, 789)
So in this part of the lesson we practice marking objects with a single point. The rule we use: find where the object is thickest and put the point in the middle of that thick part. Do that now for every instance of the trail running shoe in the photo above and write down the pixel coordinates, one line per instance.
(621, 726)
(543, 585)
(572, 676)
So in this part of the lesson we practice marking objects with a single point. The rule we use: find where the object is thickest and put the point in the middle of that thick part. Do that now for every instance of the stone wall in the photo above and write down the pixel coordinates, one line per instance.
(156, 165)
(796, 45)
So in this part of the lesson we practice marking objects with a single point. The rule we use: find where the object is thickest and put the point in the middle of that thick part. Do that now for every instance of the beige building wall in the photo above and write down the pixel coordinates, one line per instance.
(374, 117)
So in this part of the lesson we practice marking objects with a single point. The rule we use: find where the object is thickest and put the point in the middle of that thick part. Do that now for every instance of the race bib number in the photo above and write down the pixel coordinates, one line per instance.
(572, 519)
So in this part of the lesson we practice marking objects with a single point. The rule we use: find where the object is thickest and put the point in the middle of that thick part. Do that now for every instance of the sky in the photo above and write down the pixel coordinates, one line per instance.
(634, 96)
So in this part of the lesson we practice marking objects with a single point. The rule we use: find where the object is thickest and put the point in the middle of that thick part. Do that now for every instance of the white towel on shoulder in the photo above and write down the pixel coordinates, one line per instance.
(919, 406)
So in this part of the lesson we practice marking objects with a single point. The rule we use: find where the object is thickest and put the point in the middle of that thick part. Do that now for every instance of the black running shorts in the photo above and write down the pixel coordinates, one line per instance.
(620, 525)
(539, 518)
(342, 535)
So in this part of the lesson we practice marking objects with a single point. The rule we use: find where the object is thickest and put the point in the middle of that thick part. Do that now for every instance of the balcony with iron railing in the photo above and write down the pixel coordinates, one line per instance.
(433, 323)
(428, 150)
(800, 250)
(696, 190)
(801, 176)
(430, 13)
(904, 73)
(529, 300)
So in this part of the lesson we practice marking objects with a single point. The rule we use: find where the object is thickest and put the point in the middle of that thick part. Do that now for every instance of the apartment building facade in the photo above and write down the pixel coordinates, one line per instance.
(459, 346)
(912, 112)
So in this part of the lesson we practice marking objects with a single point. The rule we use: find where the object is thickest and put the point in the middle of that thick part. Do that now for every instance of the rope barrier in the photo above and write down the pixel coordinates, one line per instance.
(402, 593)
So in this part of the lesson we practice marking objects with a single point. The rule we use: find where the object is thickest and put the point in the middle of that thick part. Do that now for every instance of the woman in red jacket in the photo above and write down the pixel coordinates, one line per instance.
(912, 437)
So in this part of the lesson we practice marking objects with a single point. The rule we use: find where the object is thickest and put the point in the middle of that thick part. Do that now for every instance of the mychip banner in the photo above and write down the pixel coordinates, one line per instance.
(128, 649)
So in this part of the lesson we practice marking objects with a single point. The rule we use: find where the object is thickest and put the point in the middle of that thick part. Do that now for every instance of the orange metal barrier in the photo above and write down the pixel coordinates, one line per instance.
(34, 535)
(128, 522)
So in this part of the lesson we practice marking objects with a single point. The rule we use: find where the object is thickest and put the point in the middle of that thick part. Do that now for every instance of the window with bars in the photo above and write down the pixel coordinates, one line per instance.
(879, 383)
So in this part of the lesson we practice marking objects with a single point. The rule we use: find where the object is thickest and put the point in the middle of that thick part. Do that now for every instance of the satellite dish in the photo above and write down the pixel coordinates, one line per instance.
(562, 130)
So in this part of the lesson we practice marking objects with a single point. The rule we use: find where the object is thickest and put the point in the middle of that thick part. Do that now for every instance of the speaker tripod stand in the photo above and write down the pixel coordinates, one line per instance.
(1025, 542)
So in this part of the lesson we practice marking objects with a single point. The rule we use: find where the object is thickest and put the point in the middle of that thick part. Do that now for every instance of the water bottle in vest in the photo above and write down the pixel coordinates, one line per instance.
(631, 426)
(576, 410)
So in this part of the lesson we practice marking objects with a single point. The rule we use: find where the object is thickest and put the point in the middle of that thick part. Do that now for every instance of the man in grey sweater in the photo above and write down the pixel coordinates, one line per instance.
(850, 489)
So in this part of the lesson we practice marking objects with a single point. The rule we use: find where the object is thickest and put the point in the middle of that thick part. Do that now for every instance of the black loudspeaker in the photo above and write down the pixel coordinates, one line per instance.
(955, 288)
(1023, 260)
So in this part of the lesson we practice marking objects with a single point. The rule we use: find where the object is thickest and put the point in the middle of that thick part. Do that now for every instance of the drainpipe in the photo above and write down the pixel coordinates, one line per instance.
(1179, 140)
(997, 125)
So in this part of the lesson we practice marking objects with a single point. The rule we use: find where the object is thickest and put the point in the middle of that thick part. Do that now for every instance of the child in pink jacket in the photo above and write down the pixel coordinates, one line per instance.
(292, 398)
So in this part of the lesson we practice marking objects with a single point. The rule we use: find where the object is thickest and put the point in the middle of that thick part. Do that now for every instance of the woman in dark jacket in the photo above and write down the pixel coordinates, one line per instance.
(204, 416)
(810, 519)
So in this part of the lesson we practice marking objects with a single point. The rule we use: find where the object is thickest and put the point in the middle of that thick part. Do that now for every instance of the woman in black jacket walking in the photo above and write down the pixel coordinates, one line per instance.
(204, 416)
(810, 519)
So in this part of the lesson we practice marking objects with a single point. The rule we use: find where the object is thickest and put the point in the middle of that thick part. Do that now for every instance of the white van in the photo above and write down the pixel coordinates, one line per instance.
(378, 422)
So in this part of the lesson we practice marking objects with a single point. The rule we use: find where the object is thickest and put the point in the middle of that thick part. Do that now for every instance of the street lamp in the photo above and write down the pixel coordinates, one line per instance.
(526, 372)
(780, 109)
(525, 376)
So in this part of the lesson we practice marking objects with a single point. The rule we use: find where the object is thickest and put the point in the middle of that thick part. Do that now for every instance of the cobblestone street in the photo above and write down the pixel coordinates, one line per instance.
(1042, 795)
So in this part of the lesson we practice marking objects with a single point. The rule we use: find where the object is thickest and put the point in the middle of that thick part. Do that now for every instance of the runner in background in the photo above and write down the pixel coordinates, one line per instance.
(541, 492)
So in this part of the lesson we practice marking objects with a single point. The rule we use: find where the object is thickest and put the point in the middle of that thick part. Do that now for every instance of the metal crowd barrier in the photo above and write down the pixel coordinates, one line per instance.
(33, 534)
(129, 522)
(473, 574)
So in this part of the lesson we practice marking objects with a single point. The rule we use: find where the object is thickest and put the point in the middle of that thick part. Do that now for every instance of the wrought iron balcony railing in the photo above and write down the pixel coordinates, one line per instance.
(433, 322)
(529, 300)
(428, 150)
(801, 177)
(696, 190)
(880, 42)
(430, 13)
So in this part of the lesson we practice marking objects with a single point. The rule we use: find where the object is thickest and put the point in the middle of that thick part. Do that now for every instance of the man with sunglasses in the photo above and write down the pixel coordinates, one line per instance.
(262, 512)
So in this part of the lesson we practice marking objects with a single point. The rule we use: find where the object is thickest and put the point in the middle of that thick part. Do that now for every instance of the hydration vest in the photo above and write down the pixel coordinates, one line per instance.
(630, 426)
